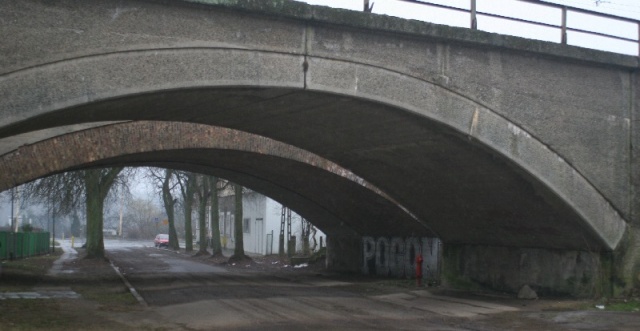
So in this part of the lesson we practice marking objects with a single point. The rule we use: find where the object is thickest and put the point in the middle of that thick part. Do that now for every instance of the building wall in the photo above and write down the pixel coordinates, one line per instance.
(253, 207)
(263, 217)
(272, 224)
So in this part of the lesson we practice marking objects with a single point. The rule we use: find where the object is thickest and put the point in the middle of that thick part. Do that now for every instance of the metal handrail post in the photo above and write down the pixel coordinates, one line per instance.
(563, 37)
(563, 26)
(474, 19)
(367, 8)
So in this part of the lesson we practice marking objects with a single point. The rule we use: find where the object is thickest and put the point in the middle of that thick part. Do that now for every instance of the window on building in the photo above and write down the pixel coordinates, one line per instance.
(246, 225)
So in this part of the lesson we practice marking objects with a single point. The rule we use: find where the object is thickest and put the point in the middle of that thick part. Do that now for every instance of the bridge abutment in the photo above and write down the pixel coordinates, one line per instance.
(344, 253)
(549, 272)
(625, 264)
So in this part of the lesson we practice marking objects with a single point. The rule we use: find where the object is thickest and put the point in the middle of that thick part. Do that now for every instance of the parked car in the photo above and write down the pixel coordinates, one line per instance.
(161, 240)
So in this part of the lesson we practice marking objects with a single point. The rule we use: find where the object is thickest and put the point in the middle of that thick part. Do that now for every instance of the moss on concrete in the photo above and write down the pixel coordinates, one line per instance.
(624, 265)
(451, 276)
(551, 273)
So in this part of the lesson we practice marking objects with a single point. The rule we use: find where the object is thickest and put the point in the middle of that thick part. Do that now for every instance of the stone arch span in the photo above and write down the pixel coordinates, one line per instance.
(475, 176)
(318, 189)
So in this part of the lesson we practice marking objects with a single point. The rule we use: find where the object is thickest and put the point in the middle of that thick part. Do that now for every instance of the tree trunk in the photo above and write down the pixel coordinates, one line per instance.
(169, 204)
(95, 207)
(238, 253)
(97, 185)
(216, 246)
(306, 231)
(202, 215)
(75, 224)
(188, 208)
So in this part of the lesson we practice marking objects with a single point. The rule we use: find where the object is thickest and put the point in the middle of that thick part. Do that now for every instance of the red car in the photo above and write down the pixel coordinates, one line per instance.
(161, 240)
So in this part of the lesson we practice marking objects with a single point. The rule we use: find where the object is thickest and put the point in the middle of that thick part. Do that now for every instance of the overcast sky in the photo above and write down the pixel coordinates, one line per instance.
(523, 10)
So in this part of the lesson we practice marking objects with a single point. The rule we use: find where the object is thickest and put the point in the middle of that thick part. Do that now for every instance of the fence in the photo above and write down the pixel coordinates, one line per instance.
(23, 244)
(561, 26)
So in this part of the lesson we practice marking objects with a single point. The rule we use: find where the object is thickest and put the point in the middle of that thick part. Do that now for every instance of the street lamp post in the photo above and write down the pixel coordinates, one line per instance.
(12, 245)
(12, 211)
(53, 219)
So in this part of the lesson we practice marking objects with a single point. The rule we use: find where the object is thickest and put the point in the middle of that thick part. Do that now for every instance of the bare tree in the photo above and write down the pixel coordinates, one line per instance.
(75, 224)
(216, 245)
(202, 195)
(140, 218)
(169, 203)
(305, 232)
(97, 184)
(63, 192)
(167, 183)
(238, 253)
(188, 186)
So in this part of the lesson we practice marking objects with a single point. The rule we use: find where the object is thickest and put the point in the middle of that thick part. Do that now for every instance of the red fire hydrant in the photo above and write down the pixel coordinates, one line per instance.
(419, 270)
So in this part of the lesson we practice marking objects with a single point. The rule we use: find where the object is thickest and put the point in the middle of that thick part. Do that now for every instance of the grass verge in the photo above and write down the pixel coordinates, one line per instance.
(101, 289)
(23, 274)
(627, 305)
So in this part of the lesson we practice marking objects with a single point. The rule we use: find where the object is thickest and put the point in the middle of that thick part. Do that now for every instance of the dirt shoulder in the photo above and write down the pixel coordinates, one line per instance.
(101, 295)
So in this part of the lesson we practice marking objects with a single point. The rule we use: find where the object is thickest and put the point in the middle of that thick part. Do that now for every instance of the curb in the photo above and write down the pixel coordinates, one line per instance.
(132, 290)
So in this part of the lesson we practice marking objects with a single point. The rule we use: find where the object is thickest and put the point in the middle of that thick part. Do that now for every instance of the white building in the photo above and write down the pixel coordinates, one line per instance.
(261, 224)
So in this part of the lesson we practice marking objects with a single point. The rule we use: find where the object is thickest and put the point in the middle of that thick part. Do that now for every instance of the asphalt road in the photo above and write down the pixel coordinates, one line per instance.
(195, 293)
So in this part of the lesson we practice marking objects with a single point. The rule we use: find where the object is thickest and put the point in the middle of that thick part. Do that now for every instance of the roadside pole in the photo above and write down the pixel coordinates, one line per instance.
(53, 242)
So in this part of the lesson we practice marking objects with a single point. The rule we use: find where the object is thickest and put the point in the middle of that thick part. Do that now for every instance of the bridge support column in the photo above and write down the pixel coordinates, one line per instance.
(548, 272)
(344, 253)
(625, 263)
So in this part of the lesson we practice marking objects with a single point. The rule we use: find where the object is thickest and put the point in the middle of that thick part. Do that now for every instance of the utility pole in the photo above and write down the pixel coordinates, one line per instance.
(291, 241)
(282, 222)
(121, 207)
(13, 229)
(12, 245)
(49, 218)
(15, 216)
(288, 224)
(53, 219)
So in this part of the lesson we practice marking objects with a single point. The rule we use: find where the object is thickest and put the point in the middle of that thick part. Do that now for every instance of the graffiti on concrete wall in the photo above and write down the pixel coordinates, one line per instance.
(396, 256)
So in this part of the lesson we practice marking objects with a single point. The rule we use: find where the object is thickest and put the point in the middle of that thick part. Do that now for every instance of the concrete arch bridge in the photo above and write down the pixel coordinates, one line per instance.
(521, 156)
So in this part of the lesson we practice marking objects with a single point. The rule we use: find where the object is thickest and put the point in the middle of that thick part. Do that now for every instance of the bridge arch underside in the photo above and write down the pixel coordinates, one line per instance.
(335, 205)
(457, 186)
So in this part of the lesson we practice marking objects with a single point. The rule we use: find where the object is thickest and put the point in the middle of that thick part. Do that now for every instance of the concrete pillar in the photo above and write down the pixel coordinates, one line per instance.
(344, 253)
(628, 254)
(625, 264)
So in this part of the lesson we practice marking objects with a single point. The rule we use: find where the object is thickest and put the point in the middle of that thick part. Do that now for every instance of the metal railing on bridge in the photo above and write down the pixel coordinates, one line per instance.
(562, 27)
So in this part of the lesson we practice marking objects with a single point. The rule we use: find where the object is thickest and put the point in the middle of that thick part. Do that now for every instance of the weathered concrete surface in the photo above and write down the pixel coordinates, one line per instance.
(344, 253)
(625, 264)
(547, 272)
(635, 156)
(397, 257)
(487, 139)
(247, 159)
